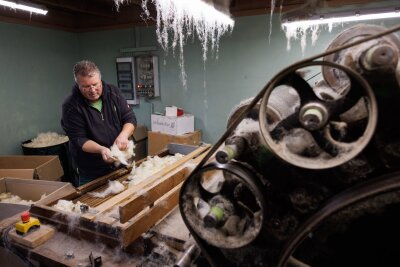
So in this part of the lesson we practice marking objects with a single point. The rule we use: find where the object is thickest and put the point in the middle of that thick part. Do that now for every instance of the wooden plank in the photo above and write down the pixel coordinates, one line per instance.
(64, 192)
(112, 176)
(107, 220)
(133, 189)
(145, 221)
(122, 197)
(201, 157)
(154, 192)
(35, 238)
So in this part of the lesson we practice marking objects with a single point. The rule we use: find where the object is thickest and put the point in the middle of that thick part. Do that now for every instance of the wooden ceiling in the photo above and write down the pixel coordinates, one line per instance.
(89, 15)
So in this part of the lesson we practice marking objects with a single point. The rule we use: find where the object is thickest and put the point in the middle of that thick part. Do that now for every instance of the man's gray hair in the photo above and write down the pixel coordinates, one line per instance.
(85, 68)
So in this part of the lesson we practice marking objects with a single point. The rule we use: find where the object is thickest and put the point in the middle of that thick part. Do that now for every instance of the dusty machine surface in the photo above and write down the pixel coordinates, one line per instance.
(120, 218)
(307, 173)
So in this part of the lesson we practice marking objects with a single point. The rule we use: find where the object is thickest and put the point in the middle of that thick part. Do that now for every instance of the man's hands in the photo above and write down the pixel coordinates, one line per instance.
(93, 147)
(106, 155)
(122, 141)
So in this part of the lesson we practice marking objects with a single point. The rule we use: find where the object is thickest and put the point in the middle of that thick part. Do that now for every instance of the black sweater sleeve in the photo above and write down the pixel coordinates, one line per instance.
(74, 124)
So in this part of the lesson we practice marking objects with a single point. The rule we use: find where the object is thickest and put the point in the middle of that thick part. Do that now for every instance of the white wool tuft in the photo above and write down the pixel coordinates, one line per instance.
(124, 156)
(114, 187)
(47, 139)
(13, 199)
(69, 206)
(247, 126)
(119, 2)
(150, 167)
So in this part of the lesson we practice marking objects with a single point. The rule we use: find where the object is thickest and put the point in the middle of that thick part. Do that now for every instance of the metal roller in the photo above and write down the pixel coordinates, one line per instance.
(224, 204)
(379, 55)
(315, 136)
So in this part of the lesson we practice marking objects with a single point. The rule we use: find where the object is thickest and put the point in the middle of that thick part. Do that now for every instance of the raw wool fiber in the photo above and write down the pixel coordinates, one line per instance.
(179, 21)
(69, 206)
(151, 166)
(14, 199)
(118, 3)
(47, 139)
(114, 187)
(247, 126)
(123, 157)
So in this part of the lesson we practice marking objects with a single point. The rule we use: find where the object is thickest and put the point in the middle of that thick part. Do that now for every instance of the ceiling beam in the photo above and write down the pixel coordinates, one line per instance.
(263, 7)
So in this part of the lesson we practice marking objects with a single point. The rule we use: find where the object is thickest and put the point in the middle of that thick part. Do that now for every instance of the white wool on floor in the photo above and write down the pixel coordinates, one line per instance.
(47, 139)
(124, 156)
(114, 187)
(150, 167)
(66, 205)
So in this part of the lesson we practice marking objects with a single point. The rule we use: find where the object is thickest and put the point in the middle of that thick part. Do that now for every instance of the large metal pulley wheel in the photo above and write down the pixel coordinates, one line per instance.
(327, 127)
(377, 53)
(223, 204)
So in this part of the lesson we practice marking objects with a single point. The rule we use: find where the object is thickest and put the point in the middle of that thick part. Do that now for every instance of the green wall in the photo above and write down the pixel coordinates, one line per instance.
(35, 72)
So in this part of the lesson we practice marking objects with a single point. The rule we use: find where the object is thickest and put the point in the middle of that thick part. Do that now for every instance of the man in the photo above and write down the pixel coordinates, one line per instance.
(95, 116)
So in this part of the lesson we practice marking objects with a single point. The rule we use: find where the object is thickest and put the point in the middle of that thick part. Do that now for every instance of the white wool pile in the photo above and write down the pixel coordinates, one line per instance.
(150, 167)
(124, 156)
(67, 205)
(13, 199)
(114, 187)
(5, 195)
(47, 139)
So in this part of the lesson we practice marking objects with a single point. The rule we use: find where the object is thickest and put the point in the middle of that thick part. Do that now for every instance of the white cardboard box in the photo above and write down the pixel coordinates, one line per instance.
(172, 125)
(171, 111)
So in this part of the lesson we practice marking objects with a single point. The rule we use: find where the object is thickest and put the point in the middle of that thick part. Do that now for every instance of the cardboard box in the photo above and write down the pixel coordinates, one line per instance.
(31, 167)
(171, 111)
(174, 111)
(172, 125)
(29, 189)
(159, 141)
(140, 138)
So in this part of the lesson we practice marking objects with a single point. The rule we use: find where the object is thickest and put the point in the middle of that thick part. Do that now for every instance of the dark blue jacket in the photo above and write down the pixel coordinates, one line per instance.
(82, 122)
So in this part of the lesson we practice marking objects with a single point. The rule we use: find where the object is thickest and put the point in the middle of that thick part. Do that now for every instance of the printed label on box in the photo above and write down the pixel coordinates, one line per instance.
(172, 125)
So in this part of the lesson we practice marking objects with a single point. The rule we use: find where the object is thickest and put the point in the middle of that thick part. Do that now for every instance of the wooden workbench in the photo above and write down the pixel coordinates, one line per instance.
(154, 231)
(118, 220)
